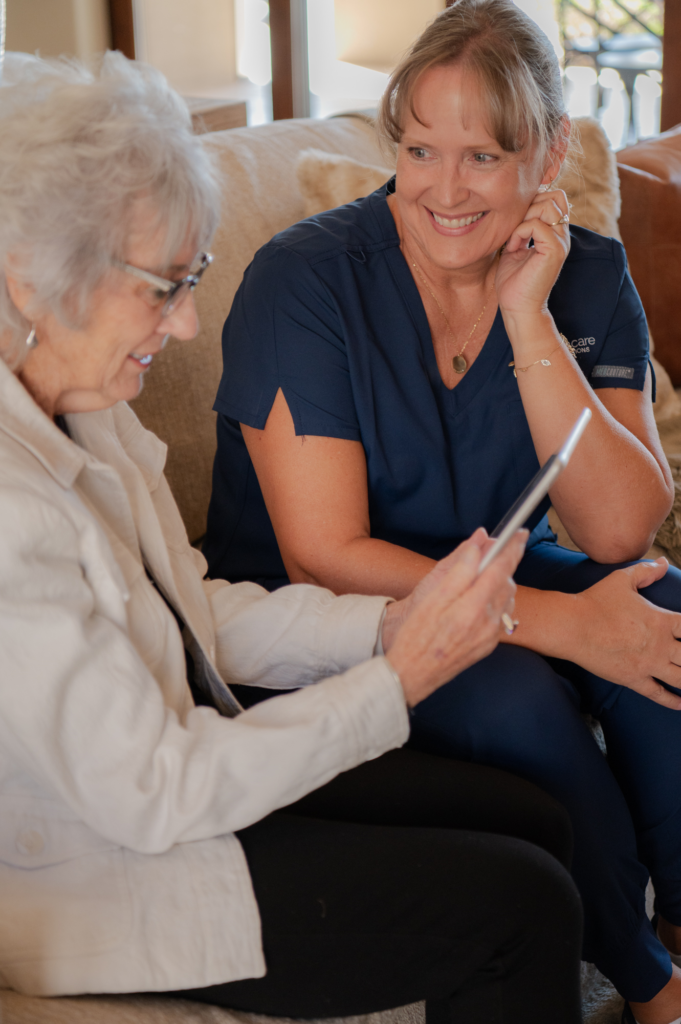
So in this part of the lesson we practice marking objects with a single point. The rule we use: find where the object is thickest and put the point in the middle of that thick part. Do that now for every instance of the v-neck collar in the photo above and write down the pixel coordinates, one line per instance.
(495, 349)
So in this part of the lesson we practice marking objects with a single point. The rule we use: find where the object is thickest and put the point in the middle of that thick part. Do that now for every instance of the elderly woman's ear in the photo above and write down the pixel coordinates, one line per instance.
(19, 292)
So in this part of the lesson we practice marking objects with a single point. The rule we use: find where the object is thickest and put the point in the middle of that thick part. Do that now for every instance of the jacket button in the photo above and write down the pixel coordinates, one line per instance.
(30, 842)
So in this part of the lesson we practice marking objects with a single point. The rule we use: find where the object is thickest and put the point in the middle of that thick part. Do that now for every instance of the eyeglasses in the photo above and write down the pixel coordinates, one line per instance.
(170, 293)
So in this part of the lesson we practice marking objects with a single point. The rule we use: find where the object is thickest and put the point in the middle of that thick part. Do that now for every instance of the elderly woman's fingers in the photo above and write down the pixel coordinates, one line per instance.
(472, 548)
(467, 555)
(457, 622)
(451, 578)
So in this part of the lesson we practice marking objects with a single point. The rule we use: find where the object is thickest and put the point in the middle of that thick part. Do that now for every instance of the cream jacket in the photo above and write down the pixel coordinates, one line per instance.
(118, 797)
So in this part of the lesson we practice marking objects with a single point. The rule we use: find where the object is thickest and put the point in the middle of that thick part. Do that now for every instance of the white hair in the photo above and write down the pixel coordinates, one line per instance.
(77, 150)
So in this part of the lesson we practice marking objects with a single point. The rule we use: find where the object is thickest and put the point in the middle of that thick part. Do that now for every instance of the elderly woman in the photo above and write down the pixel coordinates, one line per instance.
(120, 869)
(396, 370)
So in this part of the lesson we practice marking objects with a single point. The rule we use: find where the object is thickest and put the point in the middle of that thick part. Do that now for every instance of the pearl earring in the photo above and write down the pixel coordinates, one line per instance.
(32, 340)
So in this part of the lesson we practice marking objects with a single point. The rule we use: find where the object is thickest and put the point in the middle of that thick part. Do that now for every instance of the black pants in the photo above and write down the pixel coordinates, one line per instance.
(415, 877)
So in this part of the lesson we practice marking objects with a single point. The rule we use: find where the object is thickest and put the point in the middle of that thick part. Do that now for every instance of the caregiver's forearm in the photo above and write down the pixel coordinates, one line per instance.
(615, 493)
(548, 623)
(364, 565)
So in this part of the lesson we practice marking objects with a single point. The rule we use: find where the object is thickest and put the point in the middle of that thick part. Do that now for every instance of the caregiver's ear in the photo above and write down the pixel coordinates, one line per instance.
(556, 156)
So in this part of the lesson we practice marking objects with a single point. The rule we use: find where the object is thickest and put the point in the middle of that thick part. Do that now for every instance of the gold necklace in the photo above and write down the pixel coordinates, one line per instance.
(458, 362)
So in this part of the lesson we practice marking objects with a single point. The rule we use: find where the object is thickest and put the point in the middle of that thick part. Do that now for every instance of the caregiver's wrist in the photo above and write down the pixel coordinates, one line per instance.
(531, 332)
(568, 624)
(550, 623)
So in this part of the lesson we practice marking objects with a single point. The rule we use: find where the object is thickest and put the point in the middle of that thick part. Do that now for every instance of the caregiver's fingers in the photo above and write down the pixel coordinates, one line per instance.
(548, 238)
(549, 206)
(654, 691)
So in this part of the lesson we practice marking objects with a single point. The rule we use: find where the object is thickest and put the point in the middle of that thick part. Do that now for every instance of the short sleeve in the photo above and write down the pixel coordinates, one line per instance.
(622, 361)
(284, 331)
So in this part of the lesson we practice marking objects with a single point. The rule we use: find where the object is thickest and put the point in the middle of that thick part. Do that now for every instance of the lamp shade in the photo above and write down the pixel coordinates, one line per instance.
(376, 34)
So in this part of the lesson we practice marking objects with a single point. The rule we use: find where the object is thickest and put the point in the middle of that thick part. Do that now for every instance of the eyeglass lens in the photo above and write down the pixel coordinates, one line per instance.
(177, 296)
(188, 284)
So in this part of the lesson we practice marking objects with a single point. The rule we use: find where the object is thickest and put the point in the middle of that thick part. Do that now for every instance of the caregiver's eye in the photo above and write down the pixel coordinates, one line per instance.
(418, 152)
(483, 158)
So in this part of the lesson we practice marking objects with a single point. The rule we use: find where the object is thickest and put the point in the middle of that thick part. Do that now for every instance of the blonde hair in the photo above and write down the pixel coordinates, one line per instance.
(513, 61)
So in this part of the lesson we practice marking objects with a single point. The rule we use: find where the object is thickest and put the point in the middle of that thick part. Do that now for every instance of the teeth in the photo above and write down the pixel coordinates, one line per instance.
(144, 360)
(462, 222)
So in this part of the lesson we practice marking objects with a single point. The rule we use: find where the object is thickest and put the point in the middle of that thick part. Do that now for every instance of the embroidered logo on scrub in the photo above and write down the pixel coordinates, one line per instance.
(625, 372)
(582, 345)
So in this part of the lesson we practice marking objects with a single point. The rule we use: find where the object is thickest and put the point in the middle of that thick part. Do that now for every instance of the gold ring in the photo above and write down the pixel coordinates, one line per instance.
(565, 219)
(510, 625)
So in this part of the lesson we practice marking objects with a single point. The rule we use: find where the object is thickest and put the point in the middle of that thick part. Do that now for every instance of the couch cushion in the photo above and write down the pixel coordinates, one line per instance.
(20, 1009)
(328, 180)
(260, 197)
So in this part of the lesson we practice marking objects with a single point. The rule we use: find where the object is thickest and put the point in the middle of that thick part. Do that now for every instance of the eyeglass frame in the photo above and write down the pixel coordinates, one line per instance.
(171, 288)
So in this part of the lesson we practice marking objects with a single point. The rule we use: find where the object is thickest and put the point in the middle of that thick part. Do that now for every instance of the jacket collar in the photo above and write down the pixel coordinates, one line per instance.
(22, 419)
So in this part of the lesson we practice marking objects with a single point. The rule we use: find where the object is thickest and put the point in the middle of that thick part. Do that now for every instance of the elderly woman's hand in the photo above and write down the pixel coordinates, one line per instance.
(626, 639)
(452, 618)
(525, 275)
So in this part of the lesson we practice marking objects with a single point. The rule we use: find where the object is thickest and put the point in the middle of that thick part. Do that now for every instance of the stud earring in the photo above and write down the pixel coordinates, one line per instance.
(32, 340)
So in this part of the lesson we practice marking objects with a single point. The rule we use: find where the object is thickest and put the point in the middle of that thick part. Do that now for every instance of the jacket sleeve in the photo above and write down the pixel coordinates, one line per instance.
(82, 716)
(293, 637)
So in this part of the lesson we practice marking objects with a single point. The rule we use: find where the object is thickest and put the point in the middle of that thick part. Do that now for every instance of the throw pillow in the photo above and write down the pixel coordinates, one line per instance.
(327, 180)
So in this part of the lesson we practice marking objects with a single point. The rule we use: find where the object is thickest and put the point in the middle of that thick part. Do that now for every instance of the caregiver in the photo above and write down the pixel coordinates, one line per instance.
(396, 371)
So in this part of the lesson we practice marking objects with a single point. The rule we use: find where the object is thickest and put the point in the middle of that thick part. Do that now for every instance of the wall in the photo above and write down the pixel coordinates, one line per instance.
(191, 41)
(78, 28)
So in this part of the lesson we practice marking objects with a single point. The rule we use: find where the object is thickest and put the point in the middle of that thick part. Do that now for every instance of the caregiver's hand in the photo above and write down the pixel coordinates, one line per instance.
(525, 276)
(452, 618)
(626, 639)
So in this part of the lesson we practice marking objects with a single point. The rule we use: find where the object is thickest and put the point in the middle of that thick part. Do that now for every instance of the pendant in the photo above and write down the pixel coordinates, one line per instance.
(459, 363)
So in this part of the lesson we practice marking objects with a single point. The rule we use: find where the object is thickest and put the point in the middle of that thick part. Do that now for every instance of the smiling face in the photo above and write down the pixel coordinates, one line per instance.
(104, 362)
(458, 194)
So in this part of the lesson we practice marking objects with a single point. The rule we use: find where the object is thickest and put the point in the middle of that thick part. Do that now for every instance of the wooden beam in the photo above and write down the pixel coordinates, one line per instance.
(288, 41)
(671, 66)
(122, 27)
(282, 71)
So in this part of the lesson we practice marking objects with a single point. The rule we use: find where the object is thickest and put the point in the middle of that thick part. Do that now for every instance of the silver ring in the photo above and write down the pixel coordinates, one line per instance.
(565, 219)
(510, 625)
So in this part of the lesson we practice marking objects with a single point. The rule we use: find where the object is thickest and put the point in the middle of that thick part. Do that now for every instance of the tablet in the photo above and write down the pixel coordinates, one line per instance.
(535, 491)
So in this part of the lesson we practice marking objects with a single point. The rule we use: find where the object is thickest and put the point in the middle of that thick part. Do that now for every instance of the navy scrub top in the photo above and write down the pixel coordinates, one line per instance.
(328, 311)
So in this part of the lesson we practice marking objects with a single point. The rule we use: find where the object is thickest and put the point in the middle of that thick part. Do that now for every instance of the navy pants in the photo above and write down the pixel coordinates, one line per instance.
(519, 711)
